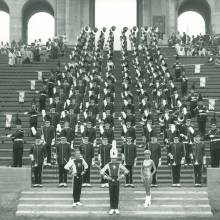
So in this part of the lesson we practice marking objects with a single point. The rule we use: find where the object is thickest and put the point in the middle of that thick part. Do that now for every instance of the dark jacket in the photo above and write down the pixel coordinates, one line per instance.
(155, 149)
(104, 151)
(63, 153)
(39, 152)
(130, 153)
(178, 151)
(49, 134)
(198, 151)
(87, 151)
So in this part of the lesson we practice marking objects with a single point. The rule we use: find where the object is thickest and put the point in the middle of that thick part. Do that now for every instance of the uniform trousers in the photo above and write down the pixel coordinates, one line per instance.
(37, 174)
(48, 150)
(129, 179)
(198, 173)
(62, 174)
(114, 194)
(17, 155)
(77, 187)
(176, 173)
(86, 176)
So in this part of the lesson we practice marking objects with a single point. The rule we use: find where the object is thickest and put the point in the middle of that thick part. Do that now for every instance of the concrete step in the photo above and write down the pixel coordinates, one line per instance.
(166, 202)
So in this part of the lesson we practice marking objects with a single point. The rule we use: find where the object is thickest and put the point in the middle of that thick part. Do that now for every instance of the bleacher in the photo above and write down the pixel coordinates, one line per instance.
(50, 201)
(16, 78)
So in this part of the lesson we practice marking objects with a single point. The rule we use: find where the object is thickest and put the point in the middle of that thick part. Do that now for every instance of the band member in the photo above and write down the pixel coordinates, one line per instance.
(18, 142)
(63, 155)
(147, 132)
(184, 84)
(87, 151)
(193, 101)
(42, 99)
(177, 157)
(55, 117)
(70, 133)
(148, 169)
(201, 112)
(111, 171)
(187, 135)
(199, 159)
(128, 131)
(214, 137)
(33, 118)
(37, 154)
(129, 157)
(48, 135)
(108, 132)
(90, 132)
(155, 150)
(104, 157)
(77, 167)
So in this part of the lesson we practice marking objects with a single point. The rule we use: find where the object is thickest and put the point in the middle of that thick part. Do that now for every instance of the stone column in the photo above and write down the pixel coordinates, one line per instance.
(147, 13)
(15, 21)
(60, 18)
(172, 14)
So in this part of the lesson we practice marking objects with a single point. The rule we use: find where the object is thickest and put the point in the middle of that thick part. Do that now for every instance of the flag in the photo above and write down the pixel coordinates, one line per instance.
(32, 84)
(40, 75)
(8, 120)
(211, 104)
(202, 82)
(21, 96)
(197, 68)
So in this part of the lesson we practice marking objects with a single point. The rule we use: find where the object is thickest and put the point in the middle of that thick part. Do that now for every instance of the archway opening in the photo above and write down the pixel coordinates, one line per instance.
(32, 8)
(4, 22)
(41, 26)
(117, 13)
(4, 26)
(201, 7)
(192, 23)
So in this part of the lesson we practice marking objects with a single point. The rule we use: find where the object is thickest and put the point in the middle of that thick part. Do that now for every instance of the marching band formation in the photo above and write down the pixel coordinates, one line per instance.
(147, 88)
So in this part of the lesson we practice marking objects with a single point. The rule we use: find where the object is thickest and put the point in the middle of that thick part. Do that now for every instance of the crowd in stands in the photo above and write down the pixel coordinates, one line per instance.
(20, 53)
(185, 45)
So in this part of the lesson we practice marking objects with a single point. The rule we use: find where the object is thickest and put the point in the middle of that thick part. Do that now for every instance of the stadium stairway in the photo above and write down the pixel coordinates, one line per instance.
(51, 201)
(16, 78)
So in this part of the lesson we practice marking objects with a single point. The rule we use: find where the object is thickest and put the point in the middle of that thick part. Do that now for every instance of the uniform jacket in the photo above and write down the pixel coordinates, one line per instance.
(155, 149)
(87, 151)
(198, 151)
(130, 153)
(104, 151)
(49, 134)
(91, 133)
(63, 152)
(178, 151)
(39, 152)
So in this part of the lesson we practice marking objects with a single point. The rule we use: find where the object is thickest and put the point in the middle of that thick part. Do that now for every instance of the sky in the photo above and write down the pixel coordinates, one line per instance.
(107, 13)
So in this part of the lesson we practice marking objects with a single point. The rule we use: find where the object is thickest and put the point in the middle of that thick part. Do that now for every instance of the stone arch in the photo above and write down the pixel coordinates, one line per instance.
(32, 7)
(3, 6)
(200, 6)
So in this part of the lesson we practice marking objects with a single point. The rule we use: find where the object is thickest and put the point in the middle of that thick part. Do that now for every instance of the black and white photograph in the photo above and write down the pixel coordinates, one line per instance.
(110, 109)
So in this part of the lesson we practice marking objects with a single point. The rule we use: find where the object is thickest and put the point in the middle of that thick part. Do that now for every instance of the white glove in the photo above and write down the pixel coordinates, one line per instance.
(204, 160)
(159, 164)
(31, 157)
(183, 160)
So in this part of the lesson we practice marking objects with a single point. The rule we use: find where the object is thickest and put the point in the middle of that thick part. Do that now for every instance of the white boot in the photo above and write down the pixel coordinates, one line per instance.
(147, 201)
